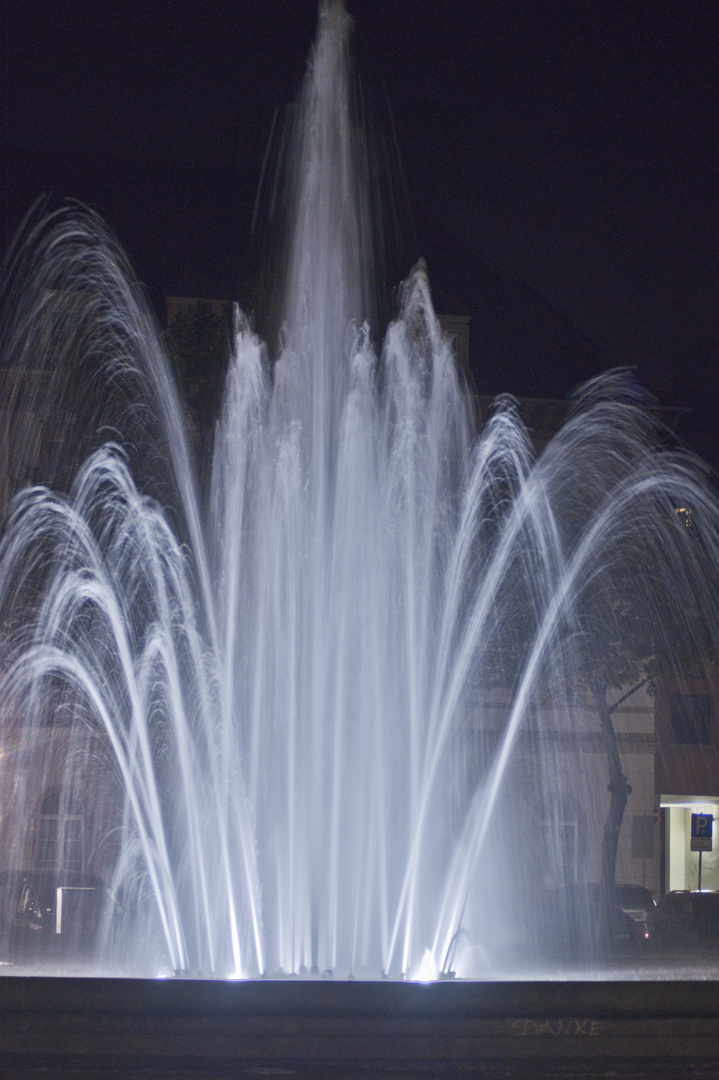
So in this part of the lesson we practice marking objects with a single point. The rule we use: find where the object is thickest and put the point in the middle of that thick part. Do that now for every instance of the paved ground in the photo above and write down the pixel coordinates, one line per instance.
(152, 1068)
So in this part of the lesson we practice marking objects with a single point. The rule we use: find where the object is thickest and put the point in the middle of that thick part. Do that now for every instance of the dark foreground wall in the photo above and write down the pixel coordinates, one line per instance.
(62, 1028)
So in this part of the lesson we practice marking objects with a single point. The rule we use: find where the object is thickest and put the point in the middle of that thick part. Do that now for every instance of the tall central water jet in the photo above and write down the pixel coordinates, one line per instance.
(295, 715)
(336, 518)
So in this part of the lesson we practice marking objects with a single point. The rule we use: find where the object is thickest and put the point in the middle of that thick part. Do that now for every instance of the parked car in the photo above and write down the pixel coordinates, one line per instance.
(685, 921)
(636, 901)
(573, 924)
(45, 912)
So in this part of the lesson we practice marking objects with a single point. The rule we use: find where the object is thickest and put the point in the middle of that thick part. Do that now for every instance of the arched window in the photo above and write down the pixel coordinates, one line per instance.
(60, 833)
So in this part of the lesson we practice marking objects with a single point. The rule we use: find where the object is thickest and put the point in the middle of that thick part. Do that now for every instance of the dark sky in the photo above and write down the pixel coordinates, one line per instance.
(561, 161)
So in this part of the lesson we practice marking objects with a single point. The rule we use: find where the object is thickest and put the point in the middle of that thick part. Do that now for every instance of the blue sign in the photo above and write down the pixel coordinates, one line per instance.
(702, 825)
(701, 838)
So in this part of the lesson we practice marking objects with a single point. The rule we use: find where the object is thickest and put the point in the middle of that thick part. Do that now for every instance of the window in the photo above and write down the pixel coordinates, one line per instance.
(691, 719)
(59, 834)
(560, 846)
(642, 836)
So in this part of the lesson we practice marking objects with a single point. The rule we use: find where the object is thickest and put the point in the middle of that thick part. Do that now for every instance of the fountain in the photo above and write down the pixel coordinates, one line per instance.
(304, 725)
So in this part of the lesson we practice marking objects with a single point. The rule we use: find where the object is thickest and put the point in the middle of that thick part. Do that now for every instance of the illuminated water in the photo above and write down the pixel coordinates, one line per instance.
(310, 721)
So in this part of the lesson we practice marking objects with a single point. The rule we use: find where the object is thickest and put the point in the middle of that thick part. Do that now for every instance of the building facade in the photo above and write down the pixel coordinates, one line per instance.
(687, 780)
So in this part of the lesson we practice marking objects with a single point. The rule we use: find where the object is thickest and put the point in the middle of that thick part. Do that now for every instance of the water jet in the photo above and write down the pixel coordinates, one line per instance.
(299, 725)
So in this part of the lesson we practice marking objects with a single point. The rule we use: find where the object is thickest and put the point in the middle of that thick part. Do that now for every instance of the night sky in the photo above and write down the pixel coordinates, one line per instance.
(560, 160)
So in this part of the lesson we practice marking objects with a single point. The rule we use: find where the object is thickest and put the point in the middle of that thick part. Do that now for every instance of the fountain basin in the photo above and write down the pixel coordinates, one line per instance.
(130, 1027)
